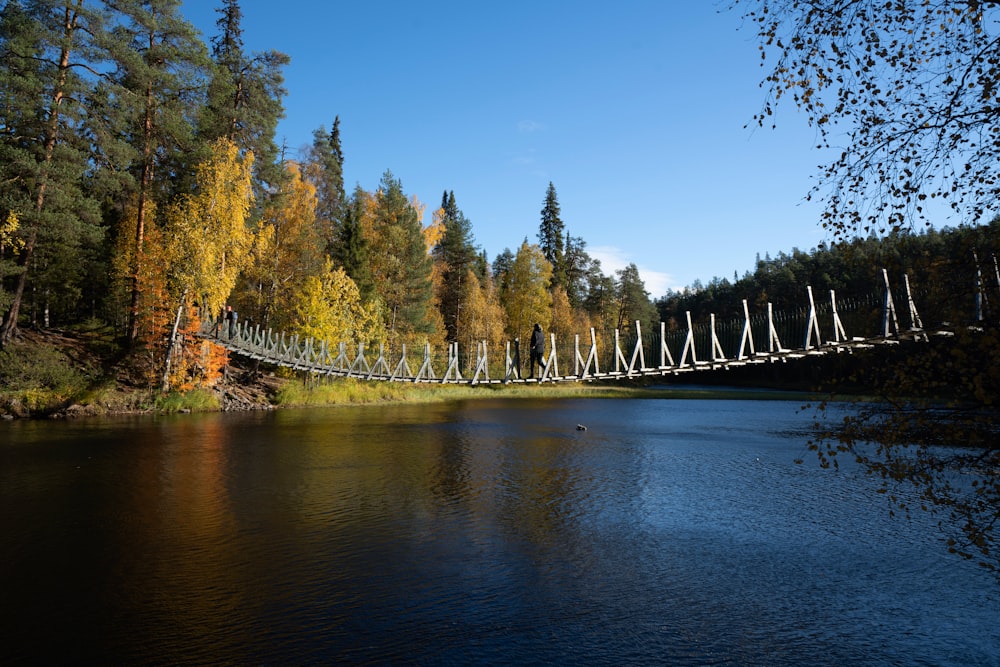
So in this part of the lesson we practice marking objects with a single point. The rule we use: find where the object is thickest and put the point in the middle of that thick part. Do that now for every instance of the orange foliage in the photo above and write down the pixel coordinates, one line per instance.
(197, 362)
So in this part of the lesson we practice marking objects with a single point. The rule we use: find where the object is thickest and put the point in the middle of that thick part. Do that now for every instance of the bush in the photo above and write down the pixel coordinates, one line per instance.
(33, 368)
(196, 400)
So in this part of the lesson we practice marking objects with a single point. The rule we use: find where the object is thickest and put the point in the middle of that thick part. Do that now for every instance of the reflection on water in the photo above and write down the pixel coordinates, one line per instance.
(668, 532)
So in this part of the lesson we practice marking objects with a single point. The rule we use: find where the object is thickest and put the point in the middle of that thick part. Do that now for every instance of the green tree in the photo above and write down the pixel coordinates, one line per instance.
(350, 250)
(149, 102)
(43, 156)
(577, 265)
(501, 267)
(245, 96)
(632, 300)
(457, 256)
(325, 169)
(600, 299)
(550, 236)
(400, 264)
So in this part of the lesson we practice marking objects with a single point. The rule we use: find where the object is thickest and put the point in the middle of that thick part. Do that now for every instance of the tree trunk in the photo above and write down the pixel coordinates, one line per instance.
(9, 327)
(145, 179)
(165, 382)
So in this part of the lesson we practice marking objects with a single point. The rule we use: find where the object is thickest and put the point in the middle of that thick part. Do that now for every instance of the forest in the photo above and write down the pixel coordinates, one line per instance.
(141, 188)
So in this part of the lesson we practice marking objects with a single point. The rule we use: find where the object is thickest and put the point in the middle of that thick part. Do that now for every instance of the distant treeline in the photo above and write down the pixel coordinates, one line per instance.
(943, 268)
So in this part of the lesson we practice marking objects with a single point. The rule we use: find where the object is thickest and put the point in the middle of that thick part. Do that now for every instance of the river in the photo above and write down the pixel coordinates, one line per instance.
(668, 532)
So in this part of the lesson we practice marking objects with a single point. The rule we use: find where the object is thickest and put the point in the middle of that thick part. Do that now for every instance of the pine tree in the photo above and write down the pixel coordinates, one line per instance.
(550, 236)
(501, 267)
(42, 153)
(576, 264)
(148, 101)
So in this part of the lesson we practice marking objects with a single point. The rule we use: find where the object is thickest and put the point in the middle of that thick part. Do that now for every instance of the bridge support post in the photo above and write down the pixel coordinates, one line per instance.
(360, 362)
(888, 308)
(812, 325)
(619, 357)
(591, 357)
(689, 344)
(664, 350)
(380, 363)
(747, 336)
(452, 364)
(425, 372)
(402, 370)
(513, 363)
(838, 327)
(773, 344)
(915, 324)
(637, 352)
(717, 353)
(552, 362)
(482, 366)
(341, 362)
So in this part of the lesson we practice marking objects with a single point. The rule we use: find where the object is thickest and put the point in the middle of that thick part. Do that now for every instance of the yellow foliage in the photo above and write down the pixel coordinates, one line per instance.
(286, 251)
(328, 307)
(562, 324)
(482, 317)
(208, 229)
(434, 232)
(8, 231)
(526, 295)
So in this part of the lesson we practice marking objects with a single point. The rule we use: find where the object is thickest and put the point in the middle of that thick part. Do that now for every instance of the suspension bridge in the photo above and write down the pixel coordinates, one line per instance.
(817, 328)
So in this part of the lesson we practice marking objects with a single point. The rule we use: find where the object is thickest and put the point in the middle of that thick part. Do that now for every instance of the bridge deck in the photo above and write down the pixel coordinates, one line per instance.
(321, 358)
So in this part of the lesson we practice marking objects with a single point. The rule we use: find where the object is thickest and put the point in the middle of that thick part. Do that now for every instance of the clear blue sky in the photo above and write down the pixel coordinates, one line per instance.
(635, 110)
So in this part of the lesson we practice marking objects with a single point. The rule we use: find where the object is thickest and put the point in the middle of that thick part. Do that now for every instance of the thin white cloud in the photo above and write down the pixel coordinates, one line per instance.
(614, 259)
(529, 126)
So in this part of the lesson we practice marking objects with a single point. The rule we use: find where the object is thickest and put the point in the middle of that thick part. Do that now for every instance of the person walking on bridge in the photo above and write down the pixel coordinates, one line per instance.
(231, 318)
(537, 348)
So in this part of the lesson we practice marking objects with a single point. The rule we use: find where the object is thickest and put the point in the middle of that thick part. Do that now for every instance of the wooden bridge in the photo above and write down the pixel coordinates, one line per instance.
(695, 348)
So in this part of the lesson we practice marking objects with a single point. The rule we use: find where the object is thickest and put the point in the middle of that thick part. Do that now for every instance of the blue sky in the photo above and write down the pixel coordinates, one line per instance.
(635, 110)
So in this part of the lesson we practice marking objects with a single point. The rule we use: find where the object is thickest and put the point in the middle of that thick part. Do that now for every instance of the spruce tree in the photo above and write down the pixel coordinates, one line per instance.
(550, 236)
(402, 267)
(325, 169)
(244, 97)
(576, 266)
(457, 255)
(350, 250)
(632, 299)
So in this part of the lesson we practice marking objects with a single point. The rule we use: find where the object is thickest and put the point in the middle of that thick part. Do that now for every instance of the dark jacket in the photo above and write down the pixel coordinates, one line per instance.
(538, 341)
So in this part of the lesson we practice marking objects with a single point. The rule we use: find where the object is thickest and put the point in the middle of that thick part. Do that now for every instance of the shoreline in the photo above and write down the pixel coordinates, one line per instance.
(74, 375)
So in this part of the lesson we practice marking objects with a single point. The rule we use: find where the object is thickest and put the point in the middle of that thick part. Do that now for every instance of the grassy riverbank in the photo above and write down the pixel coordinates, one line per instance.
(79, 373)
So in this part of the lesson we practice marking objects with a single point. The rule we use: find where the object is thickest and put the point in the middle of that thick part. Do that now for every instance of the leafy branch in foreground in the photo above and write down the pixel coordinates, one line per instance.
(904, 93)
(932, 436)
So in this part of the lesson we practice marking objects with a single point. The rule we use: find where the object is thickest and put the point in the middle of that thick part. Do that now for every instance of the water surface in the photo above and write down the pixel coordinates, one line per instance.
(493, 532)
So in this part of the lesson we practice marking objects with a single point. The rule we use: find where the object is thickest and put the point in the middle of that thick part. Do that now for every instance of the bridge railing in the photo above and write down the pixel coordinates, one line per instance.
(824, 323)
